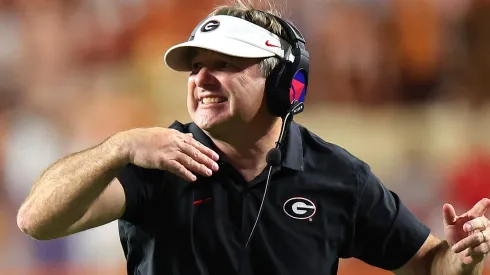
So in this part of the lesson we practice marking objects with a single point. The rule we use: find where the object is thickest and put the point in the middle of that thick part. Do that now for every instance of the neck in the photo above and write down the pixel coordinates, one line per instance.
(246, 147)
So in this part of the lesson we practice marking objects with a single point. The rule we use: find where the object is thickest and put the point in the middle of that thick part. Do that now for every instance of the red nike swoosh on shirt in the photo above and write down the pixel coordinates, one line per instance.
(201, 201)
(267, 43)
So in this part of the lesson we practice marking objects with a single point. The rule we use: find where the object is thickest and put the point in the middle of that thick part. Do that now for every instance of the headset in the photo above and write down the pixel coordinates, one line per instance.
(288, 81)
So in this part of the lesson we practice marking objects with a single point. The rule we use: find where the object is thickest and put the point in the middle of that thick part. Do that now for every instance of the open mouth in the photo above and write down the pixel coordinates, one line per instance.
(212, 100)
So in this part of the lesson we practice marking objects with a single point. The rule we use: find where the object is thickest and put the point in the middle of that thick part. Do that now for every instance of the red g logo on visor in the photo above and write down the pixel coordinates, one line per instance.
(210, 26)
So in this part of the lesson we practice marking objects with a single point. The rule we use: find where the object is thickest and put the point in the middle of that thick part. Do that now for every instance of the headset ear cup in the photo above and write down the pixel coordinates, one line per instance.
(277, 89)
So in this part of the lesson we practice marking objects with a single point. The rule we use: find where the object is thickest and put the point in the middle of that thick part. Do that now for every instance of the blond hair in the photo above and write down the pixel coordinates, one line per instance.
(263, 18)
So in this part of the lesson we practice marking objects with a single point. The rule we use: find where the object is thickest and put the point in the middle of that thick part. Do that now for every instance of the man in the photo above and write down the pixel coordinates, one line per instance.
(190, 199)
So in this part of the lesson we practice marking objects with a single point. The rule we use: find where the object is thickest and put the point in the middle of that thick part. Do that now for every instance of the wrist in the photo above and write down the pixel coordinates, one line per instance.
(117, 147)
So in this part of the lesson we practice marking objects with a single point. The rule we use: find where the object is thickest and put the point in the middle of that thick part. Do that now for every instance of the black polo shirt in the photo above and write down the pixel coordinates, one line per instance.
(322, 204)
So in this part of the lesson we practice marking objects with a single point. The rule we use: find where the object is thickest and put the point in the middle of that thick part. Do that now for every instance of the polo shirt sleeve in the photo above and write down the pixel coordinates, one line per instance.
(143, 188)
(386, 233)
(140, 188)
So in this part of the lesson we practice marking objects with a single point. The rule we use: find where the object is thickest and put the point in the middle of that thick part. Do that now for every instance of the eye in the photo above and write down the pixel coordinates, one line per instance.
(223, 65)
(196, 67)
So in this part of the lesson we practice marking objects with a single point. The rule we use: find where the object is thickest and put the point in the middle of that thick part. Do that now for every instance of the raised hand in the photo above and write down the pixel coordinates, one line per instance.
(469, 233)
(169, 149)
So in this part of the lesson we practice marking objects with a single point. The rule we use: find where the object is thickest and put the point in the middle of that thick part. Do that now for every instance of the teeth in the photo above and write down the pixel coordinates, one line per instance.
(209, 100)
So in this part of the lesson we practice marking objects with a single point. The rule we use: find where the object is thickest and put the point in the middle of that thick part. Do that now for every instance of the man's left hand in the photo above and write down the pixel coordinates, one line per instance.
(468, 234)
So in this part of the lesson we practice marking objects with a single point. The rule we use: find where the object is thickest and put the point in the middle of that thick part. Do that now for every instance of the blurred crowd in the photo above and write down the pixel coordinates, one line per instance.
(403, 84)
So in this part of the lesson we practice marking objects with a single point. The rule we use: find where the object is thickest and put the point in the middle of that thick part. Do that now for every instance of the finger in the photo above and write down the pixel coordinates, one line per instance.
(192, 150)
(192, 165)
(480, 250)
(449, 214)
(178, 169)
(480, 223)
(471, 241)
(205, 150)
(198, 156)
(480, 207)
(471, 257)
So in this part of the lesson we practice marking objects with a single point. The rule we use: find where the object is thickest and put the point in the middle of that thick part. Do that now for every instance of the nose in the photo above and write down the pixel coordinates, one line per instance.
(205, 78)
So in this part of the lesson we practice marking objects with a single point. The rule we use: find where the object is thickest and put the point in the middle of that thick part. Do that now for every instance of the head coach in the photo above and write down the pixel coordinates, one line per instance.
(244, 189)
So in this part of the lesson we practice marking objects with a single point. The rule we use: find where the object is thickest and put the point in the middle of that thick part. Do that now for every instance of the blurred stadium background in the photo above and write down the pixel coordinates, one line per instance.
(402, 84)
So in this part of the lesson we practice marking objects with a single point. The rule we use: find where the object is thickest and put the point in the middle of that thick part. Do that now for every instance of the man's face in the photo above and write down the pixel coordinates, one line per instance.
(224, 89)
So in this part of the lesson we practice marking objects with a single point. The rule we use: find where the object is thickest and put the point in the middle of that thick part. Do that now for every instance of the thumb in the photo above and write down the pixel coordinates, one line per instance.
(449, 214)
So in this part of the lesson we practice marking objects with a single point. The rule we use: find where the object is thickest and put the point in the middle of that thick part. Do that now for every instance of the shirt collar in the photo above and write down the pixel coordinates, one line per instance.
(292, 150)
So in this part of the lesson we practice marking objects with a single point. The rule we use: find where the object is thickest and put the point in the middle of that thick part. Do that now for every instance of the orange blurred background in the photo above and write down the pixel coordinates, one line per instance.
(402, 84)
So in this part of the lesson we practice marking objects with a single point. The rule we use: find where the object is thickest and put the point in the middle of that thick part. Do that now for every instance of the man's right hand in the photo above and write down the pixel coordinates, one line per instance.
(168, 149)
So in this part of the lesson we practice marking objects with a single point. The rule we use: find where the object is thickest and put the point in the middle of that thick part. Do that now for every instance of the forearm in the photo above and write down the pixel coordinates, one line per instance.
(446, 262)
(64, 192)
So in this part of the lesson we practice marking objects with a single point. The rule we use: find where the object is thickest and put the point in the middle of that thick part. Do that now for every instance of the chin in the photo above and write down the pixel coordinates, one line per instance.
(209, 122)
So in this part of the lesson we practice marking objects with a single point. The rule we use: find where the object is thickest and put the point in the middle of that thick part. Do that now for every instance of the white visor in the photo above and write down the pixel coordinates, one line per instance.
(231, 36)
